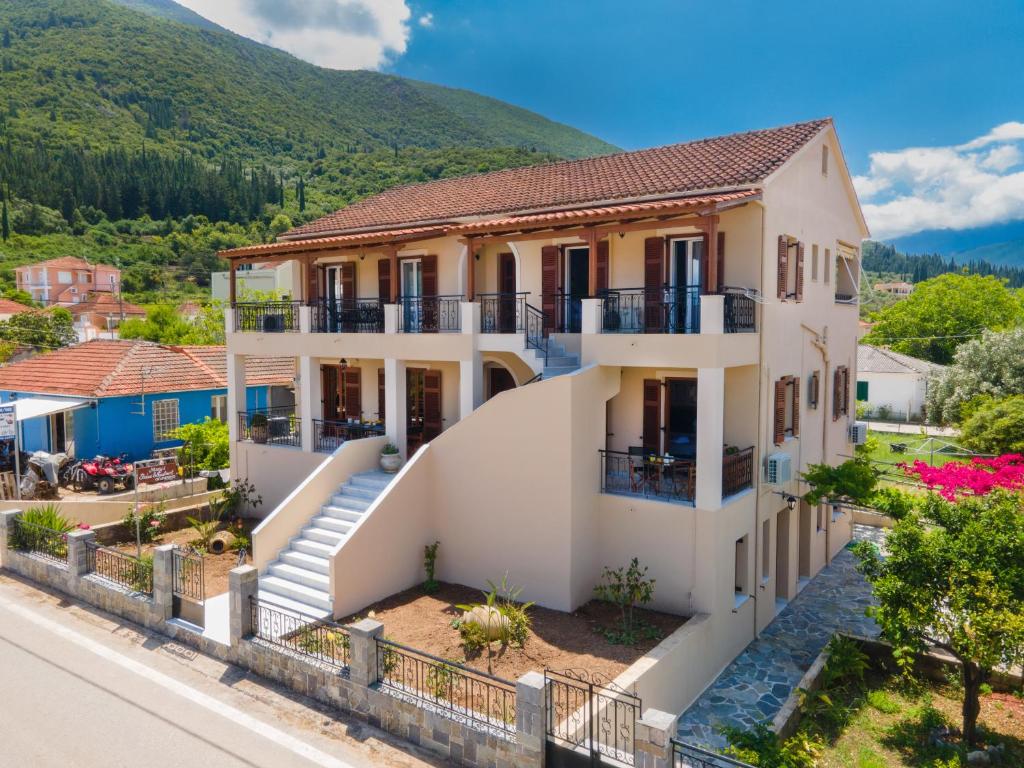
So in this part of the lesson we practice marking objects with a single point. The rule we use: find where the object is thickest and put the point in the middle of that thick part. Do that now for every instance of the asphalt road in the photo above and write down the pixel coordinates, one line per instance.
(81, 689)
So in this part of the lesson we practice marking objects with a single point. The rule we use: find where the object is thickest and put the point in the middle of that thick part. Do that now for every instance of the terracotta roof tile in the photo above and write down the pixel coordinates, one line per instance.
(112, 368)
(8, 307)
(726, 162)
(337, 240)
(63, 262)
(105, 302)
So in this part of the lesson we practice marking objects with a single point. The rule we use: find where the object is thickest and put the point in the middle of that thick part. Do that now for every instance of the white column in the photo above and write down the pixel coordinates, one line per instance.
(590, 322)
(305, 319)
(229, 321)
(236, 393)
(470, 317)
(390, 318)
(710, 436)
(471, 385)
(394, 402)
(712, 314)
(309, 398)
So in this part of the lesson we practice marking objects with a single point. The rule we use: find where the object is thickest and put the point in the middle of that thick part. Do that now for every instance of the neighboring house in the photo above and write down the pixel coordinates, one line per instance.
(99, 315)
(9, 309)
(893, 385)
(633, 355)
(189, 311)
(277, 279)
(896, 289)
(67, 280)
(109, 396)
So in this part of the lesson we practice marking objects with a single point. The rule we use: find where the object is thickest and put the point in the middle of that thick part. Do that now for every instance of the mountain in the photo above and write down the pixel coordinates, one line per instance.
(94, 73)
(1001, 244)
(1010, 253)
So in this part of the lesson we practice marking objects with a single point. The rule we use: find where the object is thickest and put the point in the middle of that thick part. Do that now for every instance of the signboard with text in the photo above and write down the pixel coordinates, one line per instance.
(156, 470)
(8, 422)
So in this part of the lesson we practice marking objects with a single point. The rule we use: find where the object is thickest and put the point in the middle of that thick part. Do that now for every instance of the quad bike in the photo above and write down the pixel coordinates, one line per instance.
(104, 474)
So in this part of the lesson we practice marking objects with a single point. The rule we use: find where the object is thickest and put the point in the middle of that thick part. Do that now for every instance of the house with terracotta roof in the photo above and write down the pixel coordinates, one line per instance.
(111, 396)
(9, 309)
(67, 280)
(632, 355)
(100, 314)
(891, 384)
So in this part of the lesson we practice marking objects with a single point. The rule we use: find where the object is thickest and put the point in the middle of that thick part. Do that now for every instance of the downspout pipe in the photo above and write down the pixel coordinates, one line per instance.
(820, 342)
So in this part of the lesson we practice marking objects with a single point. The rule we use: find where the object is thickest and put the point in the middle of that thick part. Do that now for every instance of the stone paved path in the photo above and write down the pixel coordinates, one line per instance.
(756, 684)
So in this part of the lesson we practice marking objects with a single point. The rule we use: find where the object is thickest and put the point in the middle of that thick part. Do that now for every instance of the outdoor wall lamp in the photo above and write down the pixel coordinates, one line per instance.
(343, 363)
(791, 502)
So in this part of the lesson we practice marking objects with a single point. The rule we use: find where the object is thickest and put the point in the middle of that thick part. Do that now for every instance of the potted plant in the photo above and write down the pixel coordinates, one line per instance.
(258, 428)
(390, 458)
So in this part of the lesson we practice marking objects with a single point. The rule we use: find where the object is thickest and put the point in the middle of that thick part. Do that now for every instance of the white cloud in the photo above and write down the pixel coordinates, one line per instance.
(974, 184)
(426, 20)
(340, 34)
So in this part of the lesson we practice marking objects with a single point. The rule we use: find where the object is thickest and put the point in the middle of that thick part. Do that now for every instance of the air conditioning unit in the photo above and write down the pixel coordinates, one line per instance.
(858, 433)
(777, 469)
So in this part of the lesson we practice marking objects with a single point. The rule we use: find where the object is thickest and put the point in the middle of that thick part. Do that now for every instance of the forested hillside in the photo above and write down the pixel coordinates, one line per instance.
(885, 260)
(138, 133)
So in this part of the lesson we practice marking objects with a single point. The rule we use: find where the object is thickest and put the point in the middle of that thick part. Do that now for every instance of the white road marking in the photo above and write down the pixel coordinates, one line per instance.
(235, 716)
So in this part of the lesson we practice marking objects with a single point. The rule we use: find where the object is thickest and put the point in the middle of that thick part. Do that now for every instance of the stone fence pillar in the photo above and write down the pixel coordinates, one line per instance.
(5, 526)
(362, 662)
(78, 561)
(531, 719)
(243, 586)
(163, 586)
(653, 739)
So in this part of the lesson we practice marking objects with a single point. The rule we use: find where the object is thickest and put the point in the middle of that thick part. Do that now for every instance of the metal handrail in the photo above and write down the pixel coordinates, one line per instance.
(39, 540)
(266, 316)
(119, 567)
(430, 314)
(318, 639)
(648, 476)
(691, 756)
(536, 335)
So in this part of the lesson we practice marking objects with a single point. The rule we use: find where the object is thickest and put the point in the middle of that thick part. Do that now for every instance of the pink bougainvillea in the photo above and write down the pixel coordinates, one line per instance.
(974, 478)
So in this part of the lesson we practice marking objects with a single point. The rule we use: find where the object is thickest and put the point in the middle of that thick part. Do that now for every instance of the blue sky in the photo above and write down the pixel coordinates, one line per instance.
(926, 95)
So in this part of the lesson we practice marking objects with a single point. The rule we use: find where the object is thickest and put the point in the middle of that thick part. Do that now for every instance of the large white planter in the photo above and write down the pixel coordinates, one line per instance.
(391, 462)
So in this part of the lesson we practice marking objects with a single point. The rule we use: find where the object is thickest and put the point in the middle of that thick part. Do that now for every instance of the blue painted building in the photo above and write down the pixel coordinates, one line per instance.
(111, 396)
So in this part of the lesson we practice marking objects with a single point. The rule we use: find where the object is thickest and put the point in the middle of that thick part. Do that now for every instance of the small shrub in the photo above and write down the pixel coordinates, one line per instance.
(440, 680)
(150, 521)
(29, 537)
(846, 663)
(389, 450)
(627, 588)
(430, 585)
(473, 636)
(763, 748)
(240, 542)
(48, 516)
(516, 628)
(323, 642)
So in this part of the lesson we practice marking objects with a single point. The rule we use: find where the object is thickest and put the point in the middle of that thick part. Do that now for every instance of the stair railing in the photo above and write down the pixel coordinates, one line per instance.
(535, 336)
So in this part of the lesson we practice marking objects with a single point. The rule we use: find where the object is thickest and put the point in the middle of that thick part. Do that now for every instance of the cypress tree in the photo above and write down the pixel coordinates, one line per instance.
(5, 224)
(301, 194)
(7, 38)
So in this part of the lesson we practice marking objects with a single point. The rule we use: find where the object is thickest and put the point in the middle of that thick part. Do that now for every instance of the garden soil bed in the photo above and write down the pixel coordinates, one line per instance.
(215, 567)
(557, 640)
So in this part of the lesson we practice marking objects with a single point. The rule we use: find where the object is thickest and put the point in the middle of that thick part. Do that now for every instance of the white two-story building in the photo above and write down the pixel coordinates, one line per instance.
(582, 362)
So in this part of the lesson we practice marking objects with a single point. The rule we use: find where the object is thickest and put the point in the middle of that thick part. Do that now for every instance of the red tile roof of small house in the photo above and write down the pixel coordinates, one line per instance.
(8, 307)
(736, 161)
(105, 303)
(118, 367)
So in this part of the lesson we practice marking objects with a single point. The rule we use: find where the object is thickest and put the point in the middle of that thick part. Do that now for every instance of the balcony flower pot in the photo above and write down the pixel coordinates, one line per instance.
(390, 459)
(259, 428)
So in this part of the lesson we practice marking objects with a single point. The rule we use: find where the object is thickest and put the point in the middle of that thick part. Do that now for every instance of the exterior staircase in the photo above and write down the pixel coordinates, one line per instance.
(299, 580)
(559, 360)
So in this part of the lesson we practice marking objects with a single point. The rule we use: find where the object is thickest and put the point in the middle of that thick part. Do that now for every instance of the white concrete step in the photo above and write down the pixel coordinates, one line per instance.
(374, 479)
(331, 524)
(317, 598)
(552, 372)
(344, 501)
(563, 361)
(311, 547)
(366, 492)
(301, 576)
(349, 515)
(322, 535)
(292, 607)
(309, 562)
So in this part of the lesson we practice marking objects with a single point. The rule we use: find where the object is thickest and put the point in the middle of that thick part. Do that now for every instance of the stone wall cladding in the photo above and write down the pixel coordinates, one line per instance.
(353, 690)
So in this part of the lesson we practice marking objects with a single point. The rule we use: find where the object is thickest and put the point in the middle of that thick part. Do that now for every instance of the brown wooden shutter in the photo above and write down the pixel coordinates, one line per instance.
(352, 393)
(329, 392)
(783, 265)
(432, 422)
(814, 390)
(384, 280)
(721, 261)
(380, 394)
(705, 270)
(846, 390)
(837, 392)
(549, 286)
(796, 406)
(799, 271)
(779, 419)
(652, 416)
(312, 283)
(431, 306)
(602, 266)
(654, 281)
(348, 281)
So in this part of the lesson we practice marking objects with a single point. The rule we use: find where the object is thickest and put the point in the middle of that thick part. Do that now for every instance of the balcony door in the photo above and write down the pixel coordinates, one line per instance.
(577, 286)
(341, 390)
(680, 416)
(686, 275)
(423, 407)
(340, 289)
(507, 288)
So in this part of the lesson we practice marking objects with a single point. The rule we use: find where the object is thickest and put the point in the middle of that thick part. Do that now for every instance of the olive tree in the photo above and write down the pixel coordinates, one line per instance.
(953, 580)
(991, 365)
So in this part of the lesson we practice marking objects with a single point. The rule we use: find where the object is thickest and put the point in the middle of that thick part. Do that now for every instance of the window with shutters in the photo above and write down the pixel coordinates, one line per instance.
(813, 390)
(820, 517)
(840, 392)
(787, 409)
(740, 566)
(790, 269)
(766, 550)
(826, 267)
(219, 408)
(824, 160)
(814, 263)
(165, 419)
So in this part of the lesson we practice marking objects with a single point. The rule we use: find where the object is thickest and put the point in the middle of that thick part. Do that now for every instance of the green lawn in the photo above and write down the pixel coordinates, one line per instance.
(890, 724)
(918, 447)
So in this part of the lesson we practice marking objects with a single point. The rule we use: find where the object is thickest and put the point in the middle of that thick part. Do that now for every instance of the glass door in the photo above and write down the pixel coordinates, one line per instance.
(684, 285)
(577, 286)
(412, 294)
(681, 418)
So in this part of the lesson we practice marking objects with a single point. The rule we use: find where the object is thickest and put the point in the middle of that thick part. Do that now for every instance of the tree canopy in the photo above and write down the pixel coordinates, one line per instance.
(943, 313)
(164, 325)
(992, 366)
(42, 329)
(953, 579)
